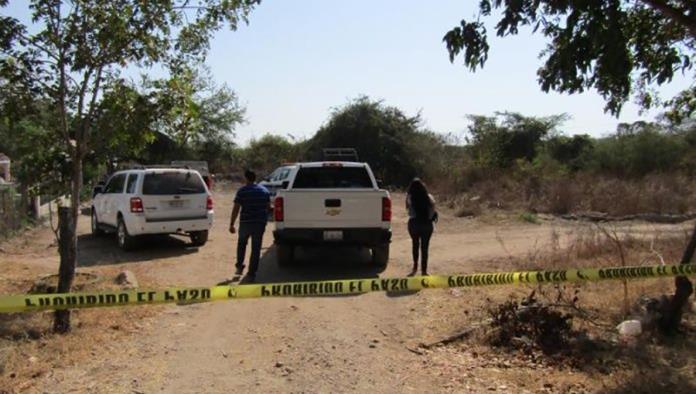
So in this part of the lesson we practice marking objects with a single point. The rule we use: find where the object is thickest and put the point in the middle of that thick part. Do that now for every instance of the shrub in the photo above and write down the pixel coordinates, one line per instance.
(269, 152)
(530, 325)
(639, 149)
(573, 152)
(501, 140)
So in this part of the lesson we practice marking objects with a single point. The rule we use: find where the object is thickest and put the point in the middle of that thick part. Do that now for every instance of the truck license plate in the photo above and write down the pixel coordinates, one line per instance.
(333, 235)
(176, 204)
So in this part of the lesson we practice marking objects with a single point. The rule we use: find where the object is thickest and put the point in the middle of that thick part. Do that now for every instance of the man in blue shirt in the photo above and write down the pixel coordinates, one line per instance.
(254, 202)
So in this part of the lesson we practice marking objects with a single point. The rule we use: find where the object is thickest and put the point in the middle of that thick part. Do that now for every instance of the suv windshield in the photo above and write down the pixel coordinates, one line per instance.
(332, 178)
(172, 183)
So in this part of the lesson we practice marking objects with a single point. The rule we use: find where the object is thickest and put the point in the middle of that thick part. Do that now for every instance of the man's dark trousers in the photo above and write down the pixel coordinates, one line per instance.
(253, 230)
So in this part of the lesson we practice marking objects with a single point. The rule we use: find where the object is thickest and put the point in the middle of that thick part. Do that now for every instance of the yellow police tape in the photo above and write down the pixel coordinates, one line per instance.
(38, 302)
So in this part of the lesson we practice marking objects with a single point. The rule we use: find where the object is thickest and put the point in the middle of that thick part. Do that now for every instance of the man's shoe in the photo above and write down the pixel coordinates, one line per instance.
(239, 270)
(249, 278)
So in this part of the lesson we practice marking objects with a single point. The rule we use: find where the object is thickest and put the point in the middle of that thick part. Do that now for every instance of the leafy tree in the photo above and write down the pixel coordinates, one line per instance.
(682, 107)
(125, 119)
(378, 132)
(25, 135)
(222, 155)
(27, 139)
(192, 109)
(616, 47)
(268, 152)
(500, 140)
(638, 149)
(73, 46)
(573, 152)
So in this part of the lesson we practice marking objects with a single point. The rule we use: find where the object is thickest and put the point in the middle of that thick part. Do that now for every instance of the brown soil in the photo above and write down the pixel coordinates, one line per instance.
(324, 344)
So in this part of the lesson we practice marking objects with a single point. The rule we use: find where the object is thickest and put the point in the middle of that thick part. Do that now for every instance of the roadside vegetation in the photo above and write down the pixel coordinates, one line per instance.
(508, 161)
(564, 337)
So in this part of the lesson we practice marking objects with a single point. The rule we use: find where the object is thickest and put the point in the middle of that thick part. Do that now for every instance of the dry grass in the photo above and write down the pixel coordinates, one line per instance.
(660, 194)
(611, 365)
(28, 347)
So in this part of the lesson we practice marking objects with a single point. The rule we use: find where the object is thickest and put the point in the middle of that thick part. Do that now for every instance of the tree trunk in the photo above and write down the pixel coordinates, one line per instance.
(66, 272)
(67, 246)
(671, 318)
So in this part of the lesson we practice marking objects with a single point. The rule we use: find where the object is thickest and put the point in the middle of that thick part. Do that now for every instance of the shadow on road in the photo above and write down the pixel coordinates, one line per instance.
(94, 251)
(317, 264)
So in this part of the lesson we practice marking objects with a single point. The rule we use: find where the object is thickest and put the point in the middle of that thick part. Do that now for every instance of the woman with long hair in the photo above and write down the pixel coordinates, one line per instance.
(421, 214)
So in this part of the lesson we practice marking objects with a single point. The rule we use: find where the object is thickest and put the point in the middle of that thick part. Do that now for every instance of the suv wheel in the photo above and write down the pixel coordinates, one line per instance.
(199, 238)
(286, 254)
(96, 231)
(125, 240)
(380, 256)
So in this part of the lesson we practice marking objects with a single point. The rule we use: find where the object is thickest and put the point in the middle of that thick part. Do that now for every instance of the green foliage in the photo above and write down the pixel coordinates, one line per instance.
(192, 109)
(616, 47)
(269, 152)
(499, 141)
(27, 138)
(222, 155)
(383, 136)
(529, 217)
(573, 152)
(640, 148)
(73, 49)
(125, 118)
(682, 107)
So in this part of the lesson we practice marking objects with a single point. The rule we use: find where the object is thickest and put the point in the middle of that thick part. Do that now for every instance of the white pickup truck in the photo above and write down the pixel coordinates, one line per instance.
(332, 203)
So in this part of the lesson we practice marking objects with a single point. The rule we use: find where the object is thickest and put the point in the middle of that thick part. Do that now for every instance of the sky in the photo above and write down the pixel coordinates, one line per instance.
(296, 60)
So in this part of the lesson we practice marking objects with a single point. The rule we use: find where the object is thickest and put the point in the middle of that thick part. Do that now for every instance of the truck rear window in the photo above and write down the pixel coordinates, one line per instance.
(168, 183)
(332, 178)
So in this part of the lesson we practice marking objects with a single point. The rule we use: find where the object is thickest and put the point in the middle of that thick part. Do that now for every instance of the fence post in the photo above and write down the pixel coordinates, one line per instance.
(66, 272)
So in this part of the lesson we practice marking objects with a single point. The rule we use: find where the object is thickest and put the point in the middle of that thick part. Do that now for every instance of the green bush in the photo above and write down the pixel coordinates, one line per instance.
(392, 143)
(501, 140)
(639, 149)
(573, 152)
(269, 152)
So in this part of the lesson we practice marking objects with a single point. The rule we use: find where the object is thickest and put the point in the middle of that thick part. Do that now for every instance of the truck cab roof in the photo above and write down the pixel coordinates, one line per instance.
(332, 164)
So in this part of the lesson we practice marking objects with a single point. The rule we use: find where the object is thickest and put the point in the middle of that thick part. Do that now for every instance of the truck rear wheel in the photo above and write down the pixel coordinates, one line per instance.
(199, 238)
(286, 254)
(380, 256)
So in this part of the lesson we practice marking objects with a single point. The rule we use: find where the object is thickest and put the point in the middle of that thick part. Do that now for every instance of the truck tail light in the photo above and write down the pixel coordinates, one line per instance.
(209, 203)
(136, 205)
(278, 211)
(386, 209)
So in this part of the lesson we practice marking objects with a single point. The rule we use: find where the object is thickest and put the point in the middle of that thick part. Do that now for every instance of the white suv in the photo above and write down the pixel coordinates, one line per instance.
(153, 201)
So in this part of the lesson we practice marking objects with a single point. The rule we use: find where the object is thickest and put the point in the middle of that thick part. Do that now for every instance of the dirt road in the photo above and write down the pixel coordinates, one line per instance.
(323, 344)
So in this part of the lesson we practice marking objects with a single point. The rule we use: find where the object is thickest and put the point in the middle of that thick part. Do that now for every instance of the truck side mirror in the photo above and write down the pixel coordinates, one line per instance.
(97, 190)
(285, 184)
